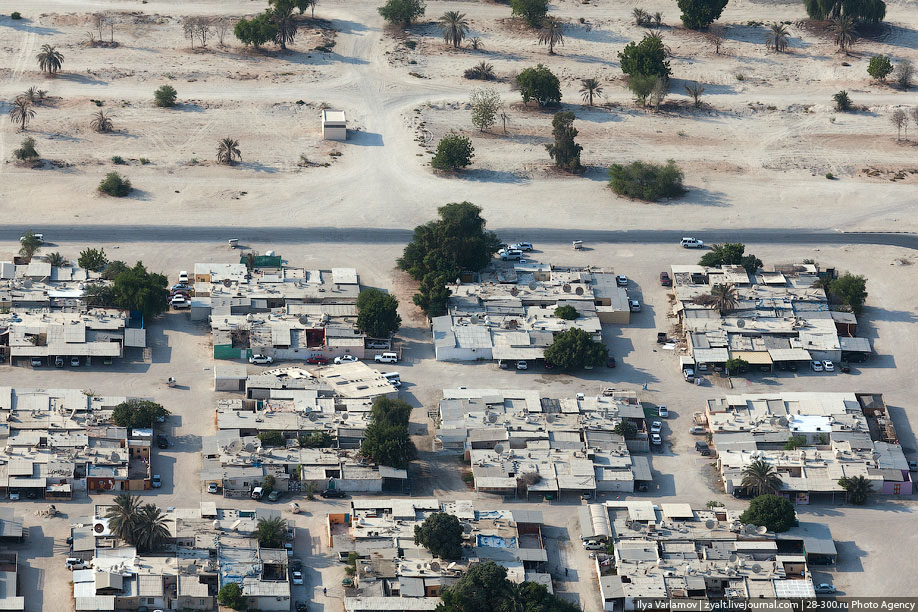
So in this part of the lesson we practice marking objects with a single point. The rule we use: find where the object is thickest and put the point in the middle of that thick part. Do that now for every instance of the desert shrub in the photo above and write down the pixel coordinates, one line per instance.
(698, 14)
(15, 15)
(482, 71)
(401, 11)
(118, 160)
(646, 180)
(540, 84)
(486, 104)
(115, 185)
(454, 151)
(533, 11)
(256, 31)
(903, 74)
(144, 161)
(879, 67)
(26, 150)
(647, 57)
(842, 101)
(165, 96)
(642, 85)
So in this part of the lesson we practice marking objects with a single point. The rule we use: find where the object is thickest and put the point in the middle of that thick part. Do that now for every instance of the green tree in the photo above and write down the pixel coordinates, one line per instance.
(454, 27)
(56, 259)
(152, 531)
(454, 152)
(730, 254)
(138, 413)
(302, 5)
(137, 289)
(441, 535)
(270, 532)
(101, 122)
(647, 57)
(317, 439)
(98, 296)
(482, 71)
(551, 33)
(646, 180)
(879, 67)
(776, 37)
(857, 489)
(21, 112)
(92, 259)
(267, 485)
(124, 517)
(113, 269)
(284, 22)
(256, 31)
(485, 588)
(386, 440)
(695, 90)
(165, 96)
(775, 513)
(231, 596)
(699, 14)
(272, 438)
(50, 60)
(540, 84)
(870, 11)
(736, 365)
(377, 313)
(842, 101)
(566, 312)
(443, 248)
(26, 150)
(626, 429)
(228, 151)
(761, 478)
(115, 185)
(565, 151)
(533, 11)
(29, 245)
(794, 442)
(402, 12)
(575, 349)
(486, 104)
(850, 290)
(845, 30)
(589, 88)
(642, 85)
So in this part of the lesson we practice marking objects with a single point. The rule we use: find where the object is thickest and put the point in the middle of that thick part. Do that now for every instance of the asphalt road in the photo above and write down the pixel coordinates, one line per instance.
(167, 233)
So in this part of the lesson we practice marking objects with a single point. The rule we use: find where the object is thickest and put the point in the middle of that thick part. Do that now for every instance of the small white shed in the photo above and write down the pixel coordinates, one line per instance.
(334, 125)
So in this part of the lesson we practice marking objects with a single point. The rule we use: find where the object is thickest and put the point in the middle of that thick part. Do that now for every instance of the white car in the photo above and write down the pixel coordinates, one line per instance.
(634, 305)
(688, 242)
(511, 255)
(41, 237)
(817, 366)
(655, 439)
(522, 246)
(824, 589)
(656, 427)
(345, 359)
(212, 487)
(297, 577)
(522, 365)
(386, 358)
(261, 359)
(157, 481)
(74, 563)
(828, 366)
(179, 301)
(663, 412)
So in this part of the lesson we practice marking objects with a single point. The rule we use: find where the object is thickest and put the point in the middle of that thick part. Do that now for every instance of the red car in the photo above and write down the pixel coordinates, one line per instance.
(317, 360)
(665, 280)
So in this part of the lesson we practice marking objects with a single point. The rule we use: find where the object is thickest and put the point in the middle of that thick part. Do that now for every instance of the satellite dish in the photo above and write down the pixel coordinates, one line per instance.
(451, 565)
(710, 524)
(762, 530)
(741, 324)
(234, 447)
(434, 566)
(227, 282)
(466, 528)
(756, 568)
(492, 418)
(98, 527)
(250, 448)
(733, 558)
(782, 421)
(566, 288)
(579, 291)
(514, 291)
(533, 286)
(498, 449)
(751, 528)
(115, 456)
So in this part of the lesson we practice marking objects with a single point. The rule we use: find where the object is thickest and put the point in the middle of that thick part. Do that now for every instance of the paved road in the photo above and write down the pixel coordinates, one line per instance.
(166, 233)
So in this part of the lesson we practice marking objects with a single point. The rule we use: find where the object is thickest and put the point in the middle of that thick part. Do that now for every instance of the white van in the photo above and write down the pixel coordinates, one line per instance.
(392, 375)
(386, 358)
(593, 545)
(689, 242)
(511, 255)
(183, 276)
(257, 493)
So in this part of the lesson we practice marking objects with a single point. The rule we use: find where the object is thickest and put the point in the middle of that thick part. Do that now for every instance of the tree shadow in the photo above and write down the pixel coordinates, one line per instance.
(258, 167)
(25, 25)
(80, 78)
(703, 197)
(889, 34)
(346, 26)
(483, 175)
(188, 107)
(589, 34)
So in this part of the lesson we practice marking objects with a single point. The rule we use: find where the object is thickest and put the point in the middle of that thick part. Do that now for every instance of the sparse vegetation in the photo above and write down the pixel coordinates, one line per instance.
(715, 36)
(50, 60)
(454, 27)
(402, 12)
(533, 11)
(482, 71)
(842, 101)
(698, 14)
(26, 150)
(21, 112)
(486, 104)
(899, 119)
(645, 58)
(776, 37)
(228, 151)
(646, 180)
(879, 67)
(165, 96)
(694, 90)
(115, 185)
(551, 33)
(101, 122)
(118, 160)
(845, 32)
(589, 88)
(565, 151)
(903, 74)
(454, 152)
(256, 31)
(15, 16)
(540, 84)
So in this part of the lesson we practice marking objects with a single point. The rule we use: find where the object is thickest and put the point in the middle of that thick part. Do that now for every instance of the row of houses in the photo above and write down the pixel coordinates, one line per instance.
(521, 442)
(507, 312)
(394, 573)
(208, 547)
(54, 442)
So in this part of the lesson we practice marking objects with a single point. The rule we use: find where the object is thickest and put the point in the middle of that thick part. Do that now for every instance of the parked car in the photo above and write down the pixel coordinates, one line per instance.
(594, 546)
(212, 488)
(608, 392)
(296, 564)
(689, 242)
(301, 606)
(58, 362)
(297, 577)
(703, 448)
(655, 439)
(817, 366)
(180, 286)
(696, 430)
(511, 255)
(156, 481)
(663, 412)
(333, 494)
(273, 495)
(183, 277)
(386, 358)
(828, 366)
(661, 338)
(41, 237)
(522, 246)
(317, 360)
(260, 359)
(377, 344)
(845, 367)
(74, 362)
(824, 589)
(522, 365)
(74, 563)
(179, 301)
(634, 305)
(35, 361)
(14, 494)
(162, 441)
(665, 280)
(913, 465)
(610, 363)
(656, 427)
(689, 375)
(345, 359)
(621, 280)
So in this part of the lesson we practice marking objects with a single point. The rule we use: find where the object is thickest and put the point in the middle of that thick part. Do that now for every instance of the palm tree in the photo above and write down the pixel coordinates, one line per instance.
(845, 33)
(724, 298)
(250, 258)
(776, 38)
(21, 112)
(101, 122)
(589, 88)
(858, 489)
(123, 517)
(286, 26)
(49, 59)
(151, 532)
(29, 245)
(270, 532)
(228, 151)
(454, 27)
(551, 33)
(761, 478)
(55, 259)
